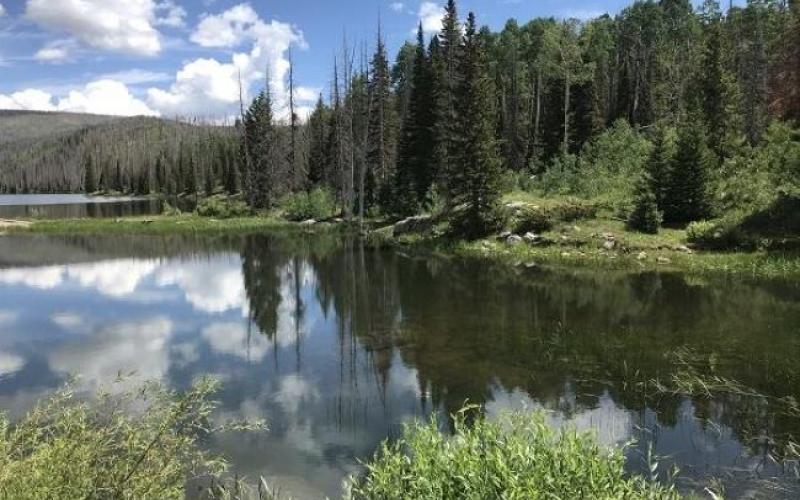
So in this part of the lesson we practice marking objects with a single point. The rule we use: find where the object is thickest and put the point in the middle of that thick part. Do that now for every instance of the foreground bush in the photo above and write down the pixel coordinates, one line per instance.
(110, 447)
(222, 207)
(519, 456)
(317, 204)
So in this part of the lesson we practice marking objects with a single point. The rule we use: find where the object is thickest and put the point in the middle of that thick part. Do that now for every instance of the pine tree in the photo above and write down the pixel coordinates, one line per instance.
(659, 164)
(208, 187)
(260, 137)
(414, 174)
(318, 140)
(447, 80)
(687, 196)
(191, 178)
(646, 217)
(381, 128)
(477, 185)
(90, 179)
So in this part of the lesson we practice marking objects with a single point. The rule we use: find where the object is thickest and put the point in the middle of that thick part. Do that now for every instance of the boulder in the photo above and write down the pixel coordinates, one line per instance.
(514, 239)
(642, 256)
(609, 245)
(663, 260)
(309, 222)
(416, 224)
(533, 238)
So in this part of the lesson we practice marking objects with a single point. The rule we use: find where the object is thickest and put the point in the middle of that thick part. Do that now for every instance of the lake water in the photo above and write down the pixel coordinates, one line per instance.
(77, 206)
(337, 345)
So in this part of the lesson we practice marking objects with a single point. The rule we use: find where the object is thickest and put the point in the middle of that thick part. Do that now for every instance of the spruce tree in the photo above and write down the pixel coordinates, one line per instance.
(659, 164)
(477, 186)
(646, 217)
(317, 147)
(260, 137)
(90, 179)
(191, 178)
(413, 176)
(447, 80)
(687, 195)
(381, 127)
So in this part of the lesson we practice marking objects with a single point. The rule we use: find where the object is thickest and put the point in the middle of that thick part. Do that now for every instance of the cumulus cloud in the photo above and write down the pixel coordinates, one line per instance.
(234, 339)
(210, 87)
(105, 97)
(115, 25)
(141, 347)
(10, 363)
(430, 15)
(56, 52)
(171, 14)
(209, 288)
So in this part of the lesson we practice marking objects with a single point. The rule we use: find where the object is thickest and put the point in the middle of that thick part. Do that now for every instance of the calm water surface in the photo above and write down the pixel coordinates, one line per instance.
(64, 206)
(336, 346)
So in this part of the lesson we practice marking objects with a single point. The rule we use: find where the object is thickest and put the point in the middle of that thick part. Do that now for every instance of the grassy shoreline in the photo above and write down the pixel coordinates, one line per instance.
(568, 245)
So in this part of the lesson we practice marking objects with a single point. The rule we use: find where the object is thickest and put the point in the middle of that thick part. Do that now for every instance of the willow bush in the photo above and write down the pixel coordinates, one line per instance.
(518, 456)
(141, 443)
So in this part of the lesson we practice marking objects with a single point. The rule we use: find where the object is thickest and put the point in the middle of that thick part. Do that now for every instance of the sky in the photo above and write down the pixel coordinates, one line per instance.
(186, 57)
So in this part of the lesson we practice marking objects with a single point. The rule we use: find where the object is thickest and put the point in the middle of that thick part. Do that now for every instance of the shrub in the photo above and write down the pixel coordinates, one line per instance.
(317, 204)
(519, 456)
(531, 218)
(222, 207)
(109, 447)
(722, 234)
(539, 219)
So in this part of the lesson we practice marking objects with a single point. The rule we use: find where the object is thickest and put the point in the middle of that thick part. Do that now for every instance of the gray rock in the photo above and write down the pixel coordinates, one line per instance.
(514, 239)
(642, 256)
(663, 260)
(416, 224)
(309, 222)
(610, 245)
(533, 238)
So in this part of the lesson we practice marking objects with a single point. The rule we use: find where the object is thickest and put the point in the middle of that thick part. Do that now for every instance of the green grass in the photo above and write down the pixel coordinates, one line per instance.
(517, 456)
(155, 225)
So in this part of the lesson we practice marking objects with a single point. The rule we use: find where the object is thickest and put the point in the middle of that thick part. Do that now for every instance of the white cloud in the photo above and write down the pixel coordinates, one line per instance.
(115, 25)
(172, 14)
(227, 29)
(136, 76)
(396, 6)
(136, 346)
(113, 278)
(56, 52)
(2, 10)
(430, 15)
(105, 97)
(209, 288)
(45, 278)
(10, 363)
(67, 320)
(209, 87)
(234, 339)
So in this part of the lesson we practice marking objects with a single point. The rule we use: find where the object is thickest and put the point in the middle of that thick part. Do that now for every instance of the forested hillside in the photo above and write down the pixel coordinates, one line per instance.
(663, 113)
(64, 152)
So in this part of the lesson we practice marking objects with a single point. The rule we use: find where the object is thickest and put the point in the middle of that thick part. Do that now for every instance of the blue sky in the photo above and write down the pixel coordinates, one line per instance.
(186, 57)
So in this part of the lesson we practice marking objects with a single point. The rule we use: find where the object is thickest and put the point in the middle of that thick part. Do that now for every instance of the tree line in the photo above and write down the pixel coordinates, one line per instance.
(680, 95)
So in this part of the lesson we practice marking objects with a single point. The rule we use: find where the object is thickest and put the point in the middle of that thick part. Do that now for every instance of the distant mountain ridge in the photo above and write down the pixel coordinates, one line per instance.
(30, 125)
(49, 152)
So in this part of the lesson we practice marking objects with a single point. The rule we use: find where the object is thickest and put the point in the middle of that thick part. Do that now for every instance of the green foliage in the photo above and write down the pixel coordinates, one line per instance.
(645, 217)
(780, 153)
(222, 207)
(606, 168)
(537, 219)
(109, 447)
(317, 204)
(517, 456)
(687, 196)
